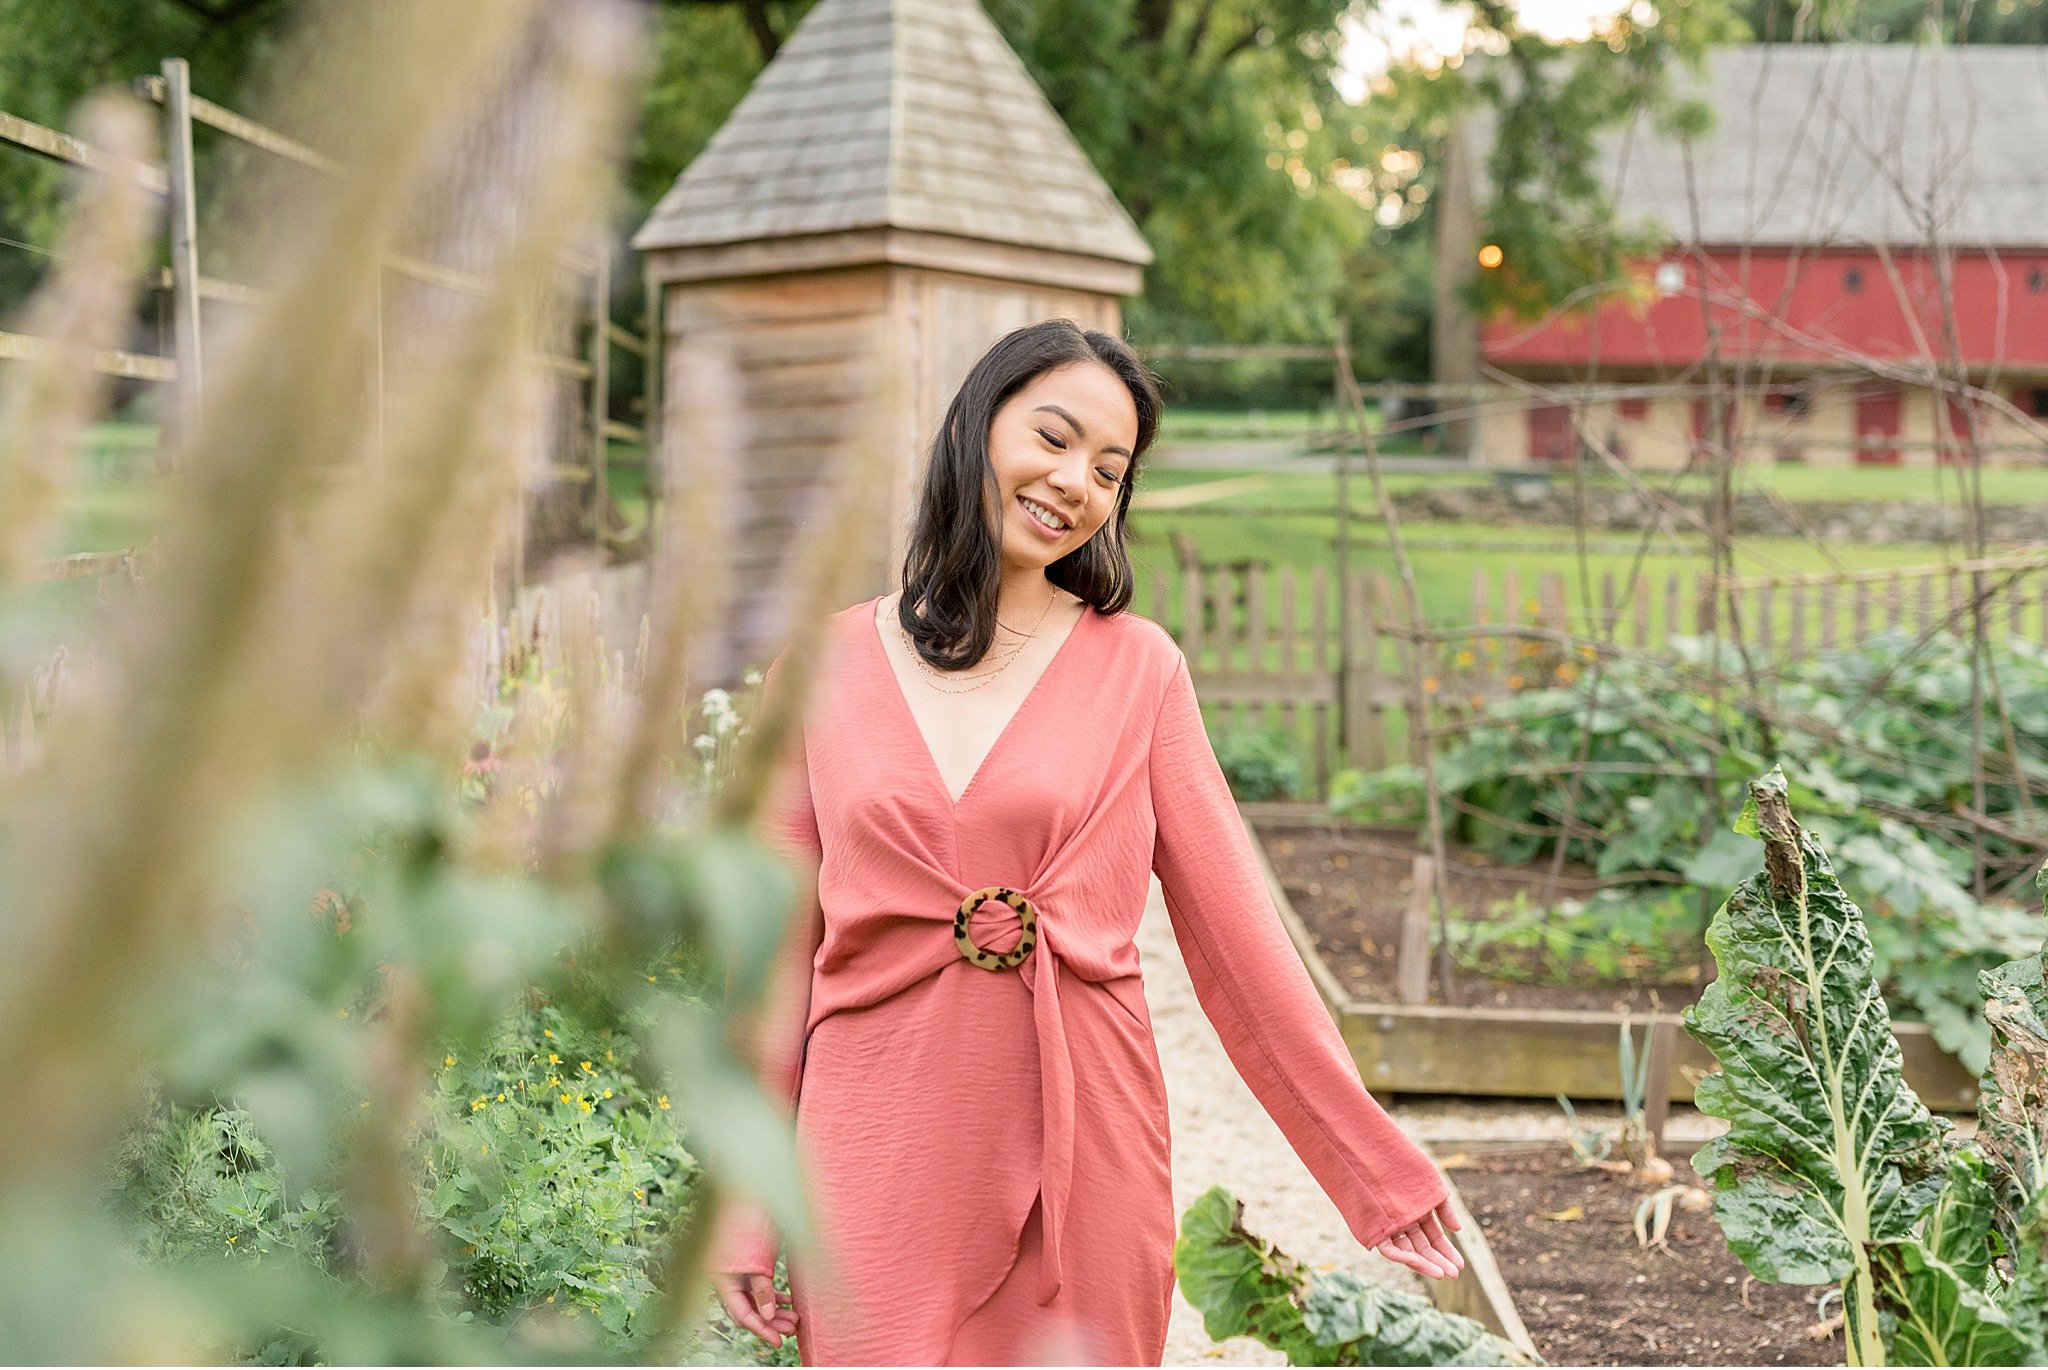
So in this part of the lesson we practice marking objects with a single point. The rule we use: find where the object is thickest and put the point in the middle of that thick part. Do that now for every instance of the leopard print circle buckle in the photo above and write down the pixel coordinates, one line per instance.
(996, 960)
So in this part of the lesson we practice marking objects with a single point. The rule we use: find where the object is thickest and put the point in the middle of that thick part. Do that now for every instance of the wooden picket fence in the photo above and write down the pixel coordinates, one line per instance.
(1265, 646)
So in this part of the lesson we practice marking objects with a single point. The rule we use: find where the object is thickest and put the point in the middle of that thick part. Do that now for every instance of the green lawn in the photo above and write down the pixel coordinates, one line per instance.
(1903, 484)
(1185, 423)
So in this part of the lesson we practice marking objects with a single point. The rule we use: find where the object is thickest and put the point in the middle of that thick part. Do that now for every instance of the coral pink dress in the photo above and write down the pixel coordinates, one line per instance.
(987, 1151)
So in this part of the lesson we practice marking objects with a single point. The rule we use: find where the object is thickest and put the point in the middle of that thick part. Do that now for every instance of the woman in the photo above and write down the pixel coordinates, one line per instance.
(999, 758)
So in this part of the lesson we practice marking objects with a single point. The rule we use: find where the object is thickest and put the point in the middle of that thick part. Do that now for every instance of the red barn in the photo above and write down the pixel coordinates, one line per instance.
(1860, 222)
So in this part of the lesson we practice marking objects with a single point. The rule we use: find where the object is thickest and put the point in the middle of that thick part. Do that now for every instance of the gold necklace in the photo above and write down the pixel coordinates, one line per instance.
(1009, 656)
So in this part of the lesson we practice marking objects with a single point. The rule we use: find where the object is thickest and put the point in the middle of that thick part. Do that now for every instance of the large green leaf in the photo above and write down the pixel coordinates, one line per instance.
(2026, 1298)
(1934, 1316)
(2012, 1104)
(1827, 1149)
(1247, 1287)
(1957, 1229)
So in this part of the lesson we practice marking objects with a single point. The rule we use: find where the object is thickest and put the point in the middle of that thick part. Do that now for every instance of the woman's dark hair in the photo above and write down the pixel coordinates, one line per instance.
(952, 569)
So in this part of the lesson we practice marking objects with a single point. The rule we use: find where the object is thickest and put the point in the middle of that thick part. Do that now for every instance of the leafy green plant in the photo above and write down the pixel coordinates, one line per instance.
(1639, 934)
(1589, 1145)
(1259, 763)
(1247, 1287)
(1832, 1171)
(1594, 1145)
(1884, 733)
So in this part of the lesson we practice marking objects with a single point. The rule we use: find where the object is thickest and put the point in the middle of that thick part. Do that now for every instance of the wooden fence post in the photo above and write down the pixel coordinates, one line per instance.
(1412, 959)
(1365, 722)
(182, 205)
(1319, 598)
(600, 385)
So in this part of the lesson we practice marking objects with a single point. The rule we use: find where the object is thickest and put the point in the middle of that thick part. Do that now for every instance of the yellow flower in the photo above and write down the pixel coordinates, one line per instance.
(607, 1094)
(1429, 685)
(553, 1059)
(1466, 658)
(650, 979)
(548, 1032)
(585, 1103)
(487, 1151)
(607, 1053)
(1530, 649)
(1514, 682)
(1534, 606)
(476, 1105)
(364, 1104)
(447, 1060)
(501, 1096)
(343, 1013)
(563, 1099)
(662, 1102)
(585, 1065)
(551, 1298)
(1567, 672)
(1478, 701)
(1588, 650)
(640, 1194)
(233, 1240)
(1492, 644)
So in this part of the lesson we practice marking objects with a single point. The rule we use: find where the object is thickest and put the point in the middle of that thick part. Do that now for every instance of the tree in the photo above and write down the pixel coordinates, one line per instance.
(57, 51)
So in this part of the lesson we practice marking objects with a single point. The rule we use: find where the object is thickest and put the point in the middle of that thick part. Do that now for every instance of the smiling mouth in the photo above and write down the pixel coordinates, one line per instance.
(1036, 512)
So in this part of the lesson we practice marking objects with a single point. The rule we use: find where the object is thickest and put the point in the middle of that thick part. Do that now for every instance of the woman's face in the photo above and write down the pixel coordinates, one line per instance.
(1062, 442)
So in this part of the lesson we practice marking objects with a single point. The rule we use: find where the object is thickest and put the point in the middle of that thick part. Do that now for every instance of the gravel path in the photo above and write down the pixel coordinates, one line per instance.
(1222, 1135)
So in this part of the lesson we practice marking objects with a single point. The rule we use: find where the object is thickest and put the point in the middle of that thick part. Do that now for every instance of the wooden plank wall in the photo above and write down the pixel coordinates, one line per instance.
(1264, 646)
(802, 345)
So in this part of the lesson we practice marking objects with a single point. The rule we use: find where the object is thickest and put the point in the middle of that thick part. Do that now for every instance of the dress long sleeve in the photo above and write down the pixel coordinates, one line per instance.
(1253, 987)
(743, 1237)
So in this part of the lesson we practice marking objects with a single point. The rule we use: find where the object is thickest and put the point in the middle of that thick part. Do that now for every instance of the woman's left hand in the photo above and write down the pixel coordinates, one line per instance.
(1423, 1247)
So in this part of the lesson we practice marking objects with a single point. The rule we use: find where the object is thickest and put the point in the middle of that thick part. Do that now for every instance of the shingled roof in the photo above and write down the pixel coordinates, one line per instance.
(902, 114)
(1846, 145)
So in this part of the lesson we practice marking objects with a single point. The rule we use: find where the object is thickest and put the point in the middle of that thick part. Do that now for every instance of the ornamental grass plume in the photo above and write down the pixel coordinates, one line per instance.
(278, 724)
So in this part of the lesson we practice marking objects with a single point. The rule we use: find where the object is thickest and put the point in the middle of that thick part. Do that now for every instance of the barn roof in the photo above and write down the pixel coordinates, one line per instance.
(1846, 145)
(902, 114)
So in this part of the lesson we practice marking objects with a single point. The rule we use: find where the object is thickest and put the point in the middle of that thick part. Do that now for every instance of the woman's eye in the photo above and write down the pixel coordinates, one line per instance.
(1053, 438)
(1110, 475)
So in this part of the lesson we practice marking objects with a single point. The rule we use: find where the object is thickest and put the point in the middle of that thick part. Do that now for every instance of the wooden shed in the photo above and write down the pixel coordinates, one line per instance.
(893, 185)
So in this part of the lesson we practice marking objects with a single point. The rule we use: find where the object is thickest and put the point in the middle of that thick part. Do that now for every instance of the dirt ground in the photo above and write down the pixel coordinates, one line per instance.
(1590, 1295)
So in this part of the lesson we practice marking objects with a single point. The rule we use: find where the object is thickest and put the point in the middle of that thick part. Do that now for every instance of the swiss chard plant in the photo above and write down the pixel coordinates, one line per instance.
(1832, 1171)
(1247, 1287)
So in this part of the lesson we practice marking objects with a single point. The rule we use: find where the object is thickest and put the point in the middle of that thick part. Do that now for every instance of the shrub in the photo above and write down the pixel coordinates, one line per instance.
(1259, 763)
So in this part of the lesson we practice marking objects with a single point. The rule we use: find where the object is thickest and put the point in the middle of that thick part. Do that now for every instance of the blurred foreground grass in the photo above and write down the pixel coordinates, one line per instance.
(385, 982)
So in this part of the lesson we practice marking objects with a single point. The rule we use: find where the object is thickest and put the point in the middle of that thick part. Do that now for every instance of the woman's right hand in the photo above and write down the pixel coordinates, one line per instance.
(752, 1300)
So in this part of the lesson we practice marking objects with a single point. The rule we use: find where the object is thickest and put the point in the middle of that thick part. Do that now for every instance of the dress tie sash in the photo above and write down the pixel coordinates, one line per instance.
(1039, 968)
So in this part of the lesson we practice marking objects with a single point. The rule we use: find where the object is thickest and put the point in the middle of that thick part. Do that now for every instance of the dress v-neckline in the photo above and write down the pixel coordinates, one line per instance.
(931, 763)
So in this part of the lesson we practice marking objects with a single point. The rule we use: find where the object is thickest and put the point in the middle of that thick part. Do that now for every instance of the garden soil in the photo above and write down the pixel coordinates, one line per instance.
(1350, 887)
(1590, 1295)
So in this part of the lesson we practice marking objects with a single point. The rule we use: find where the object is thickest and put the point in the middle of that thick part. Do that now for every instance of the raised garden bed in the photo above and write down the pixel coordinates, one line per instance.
(1581, 1290)
(1509, 1040)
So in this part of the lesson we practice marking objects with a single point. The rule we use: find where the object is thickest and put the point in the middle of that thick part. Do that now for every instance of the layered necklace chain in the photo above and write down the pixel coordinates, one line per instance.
(941, 683)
